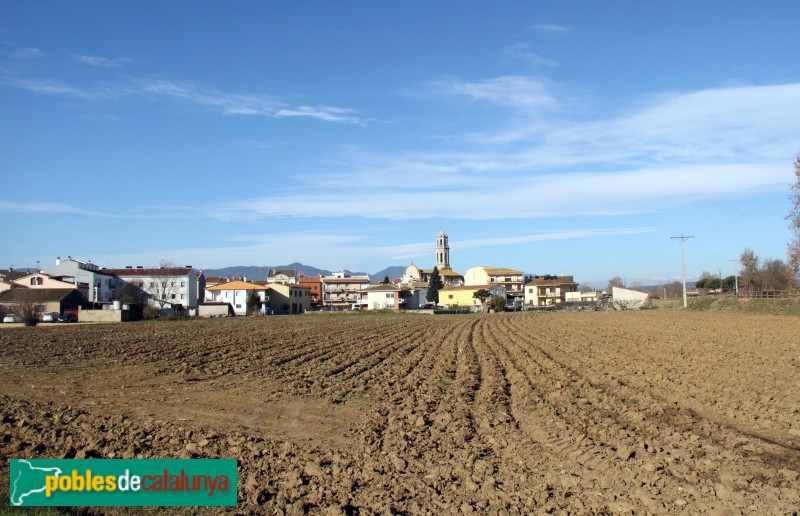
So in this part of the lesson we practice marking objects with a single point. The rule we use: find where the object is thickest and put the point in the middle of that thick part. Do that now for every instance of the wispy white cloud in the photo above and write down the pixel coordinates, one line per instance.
(510, 91)
(325, 113)
(550, 28)
(44, 207)
(164, 89)
(532, 196)
(521, 52)
(668, 151)
(104, 62)
(555, 234)
(663, 151)
(22, 53)
(733, 124)
(44, 86)
(750, 123)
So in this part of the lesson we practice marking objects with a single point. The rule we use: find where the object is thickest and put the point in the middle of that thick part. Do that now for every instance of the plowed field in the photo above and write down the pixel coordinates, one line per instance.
(653, 412)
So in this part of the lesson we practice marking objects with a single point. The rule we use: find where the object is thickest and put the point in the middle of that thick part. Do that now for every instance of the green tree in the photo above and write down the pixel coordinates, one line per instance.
(253, 303)
(729, 283)
(434, 286)
(481, 294)
(386, 280)
(499, 303)
(701, 283)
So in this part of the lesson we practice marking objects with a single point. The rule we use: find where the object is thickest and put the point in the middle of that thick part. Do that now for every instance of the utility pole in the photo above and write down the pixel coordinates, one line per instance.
(720, 282)
(683, 239)
(736, 276)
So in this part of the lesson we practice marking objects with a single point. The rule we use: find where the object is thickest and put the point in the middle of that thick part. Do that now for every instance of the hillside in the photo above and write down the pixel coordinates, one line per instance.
(256, 273)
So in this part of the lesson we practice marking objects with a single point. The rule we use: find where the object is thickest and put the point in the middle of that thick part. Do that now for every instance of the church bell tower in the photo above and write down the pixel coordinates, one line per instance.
(442, 251)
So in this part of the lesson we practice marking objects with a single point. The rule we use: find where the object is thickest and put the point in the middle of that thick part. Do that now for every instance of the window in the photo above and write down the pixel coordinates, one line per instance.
(152, 284)
(173, 284)
(172, 296)
(450, 296)
(183, 283)
(164, 284)
(183, 296)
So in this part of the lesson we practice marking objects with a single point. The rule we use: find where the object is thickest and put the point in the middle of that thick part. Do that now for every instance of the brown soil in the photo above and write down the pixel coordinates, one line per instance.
(583, 412)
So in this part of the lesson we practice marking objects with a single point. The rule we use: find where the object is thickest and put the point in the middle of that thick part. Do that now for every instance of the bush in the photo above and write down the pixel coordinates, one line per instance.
(499, 303)
(150, 312)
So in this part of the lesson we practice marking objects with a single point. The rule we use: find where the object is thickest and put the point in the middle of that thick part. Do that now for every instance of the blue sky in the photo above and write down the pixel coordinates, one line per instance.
(551, 137)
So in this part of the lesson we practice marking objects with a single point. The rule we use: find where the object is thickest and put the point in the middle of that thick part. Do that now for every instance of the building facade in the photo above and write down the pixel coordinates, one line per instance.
(461, 297)
(163, 287)
(380, 297)
(511, 279)
(96, 285)
(314, 283)
(238, 293)
(289, 298)
(549, 290)
(340, 290)
(282, 276)
(41, 280)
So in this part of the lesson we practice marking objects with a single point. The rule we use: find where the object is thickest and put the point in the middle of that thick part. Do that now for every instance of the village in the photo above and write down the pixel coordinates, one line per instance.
(90, 293)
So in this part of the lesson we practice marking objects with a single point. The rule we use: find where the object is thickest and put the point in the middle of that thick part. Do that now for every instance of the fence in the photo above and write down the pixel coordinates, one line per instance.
(771, 294)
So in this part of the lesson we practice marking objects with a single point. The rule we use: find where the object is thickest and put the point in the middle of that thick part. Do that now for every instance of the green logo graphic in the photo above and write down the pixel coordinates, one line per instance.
(123, 482)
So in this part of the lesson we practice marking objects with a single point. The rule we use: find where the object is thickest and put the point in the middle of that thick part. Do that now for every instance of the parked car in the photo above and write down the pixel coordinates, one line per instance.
(11, 318)
(68, 318)
(50, 317)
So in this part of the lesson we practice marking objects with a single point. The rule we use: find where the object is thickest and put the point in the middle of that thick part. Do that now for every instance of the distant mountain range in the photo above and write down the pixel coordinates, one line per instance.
(260, 273)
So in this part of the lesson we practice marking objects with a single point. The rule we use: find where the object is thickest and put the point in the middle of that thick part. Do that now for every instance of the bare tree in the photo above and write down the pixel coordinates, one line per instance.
(749, 262)
(616, 281)
(673, 290)
(793, 247)
(30, 304)
(164, 285)
(774, 274)
(132, 292)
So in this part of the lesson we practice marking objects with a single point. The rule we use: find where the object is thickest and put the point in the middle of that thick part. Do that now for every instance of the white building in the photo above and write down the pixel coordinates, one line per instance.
(237, 293)
(626, 299)
(405, 296)
(582, 297)
(380, 297)
(96, 285)
(165, 287)
(549, 290)
(282, 276)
